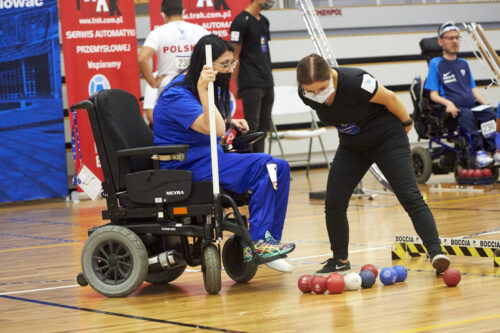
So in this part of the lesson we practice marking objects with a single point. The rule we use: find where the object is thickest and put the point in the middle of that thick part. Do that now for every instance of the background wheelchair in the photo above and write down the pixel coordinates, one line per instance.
(160, 220)
(450, 147)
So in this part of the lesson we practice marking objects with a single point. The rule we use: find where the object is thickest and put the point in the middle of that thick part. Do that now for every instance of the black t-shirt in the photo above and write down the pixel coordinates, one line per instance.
(360, 123)
(255, 60)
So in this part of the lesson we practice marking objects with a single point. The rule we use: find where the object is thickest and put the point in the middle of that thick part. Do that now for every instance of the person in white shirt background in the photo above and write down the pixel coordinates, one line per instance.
(173, 44)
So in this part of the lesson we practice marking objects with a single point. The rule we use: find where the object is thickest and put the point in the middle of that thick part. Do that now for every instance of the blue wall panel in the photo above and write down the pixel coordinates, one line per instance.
(32, 147)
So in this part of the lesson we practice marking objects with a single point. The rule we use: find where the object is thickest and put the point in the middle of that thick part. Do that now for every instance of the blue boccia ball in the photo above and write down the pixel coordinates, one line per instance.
(401, 272)
(367, 279)
(388, 276)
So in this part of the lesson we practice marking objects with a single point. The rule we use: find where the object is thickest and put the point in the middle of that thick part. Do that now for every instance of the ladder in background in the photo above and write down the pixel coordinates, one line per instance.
(484, 52)
(323, 48)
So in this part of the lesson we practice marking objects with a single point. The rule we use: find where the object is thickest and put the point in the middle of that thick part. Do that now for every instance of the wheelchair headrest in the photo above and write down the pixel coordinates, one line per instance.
(430, 48)
(121, 111)
(122, 127)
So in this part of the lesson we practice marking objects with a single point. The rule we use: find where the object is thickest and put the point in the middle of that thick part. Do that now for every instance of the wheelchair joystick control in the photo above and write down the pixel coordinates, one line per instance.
(168, 259)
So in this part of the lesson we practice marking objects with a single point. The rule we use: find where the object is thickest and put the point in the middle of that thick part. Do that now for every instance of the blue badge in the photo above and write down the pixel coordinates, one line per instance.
(98, 82)
(350, 129)
(263, 44)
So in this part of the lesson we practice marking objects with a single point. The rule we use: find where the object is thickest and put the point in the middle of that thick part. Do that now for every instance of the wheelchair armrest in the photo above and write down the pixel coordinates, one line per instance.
(243, 142)
(161, 153)
(434, 109)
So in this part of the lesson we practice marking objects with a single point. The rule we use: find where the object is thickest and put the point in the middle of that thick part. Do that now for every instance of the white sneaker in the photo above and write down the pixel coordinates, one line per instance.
(483, 159)
(281, 265)
(440, 262)
(496, 157)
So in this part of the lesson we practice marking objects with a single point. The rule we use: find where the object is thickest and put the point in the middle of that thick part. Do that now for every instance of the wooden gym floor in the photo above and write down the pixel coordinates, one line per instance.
(40, 245)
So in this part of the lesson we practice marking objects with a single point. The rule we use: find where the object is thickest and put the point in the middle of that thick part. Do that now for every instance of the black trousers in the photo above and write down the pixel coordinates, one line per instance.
(257, 107)
(392, 156)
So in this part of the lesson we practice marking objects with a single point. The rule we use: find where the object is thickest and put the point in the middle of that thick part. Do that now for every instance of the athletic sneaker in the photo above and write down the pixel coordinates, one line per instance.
(283, 245)
(267, 249)
(440, 262)
(334, 265)
(280, 265)
(247, 254)
(483, 159)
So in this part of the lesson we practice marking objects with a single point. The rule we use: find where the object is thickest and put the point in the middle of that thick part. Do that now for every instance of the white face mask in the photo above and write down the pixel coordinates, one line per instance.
(322, 96)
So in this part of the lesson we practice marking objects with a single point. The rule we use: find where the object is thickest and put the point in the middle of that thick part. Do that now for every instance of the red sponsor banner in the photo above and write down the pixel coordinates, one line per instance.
(214, 15)
(100, 52)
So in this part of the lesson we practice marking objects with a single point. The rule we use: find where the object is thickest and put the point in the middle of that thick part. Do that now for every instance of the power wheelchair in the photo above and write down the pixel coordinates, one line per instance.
(450, 147)
(160, 220)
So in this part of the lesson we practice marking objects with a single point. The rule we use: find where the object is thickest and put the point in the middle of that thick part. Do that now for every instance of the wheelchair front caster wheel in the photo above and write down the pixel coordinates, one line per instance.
(114, 261)
(81, 280)
(232, 257)
(422, 164)
(211, 269)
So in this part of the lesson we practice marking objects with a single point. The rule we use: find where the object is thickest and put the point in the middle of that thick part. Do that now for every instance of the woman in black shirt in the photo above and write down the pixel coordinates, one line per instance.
(373, 124)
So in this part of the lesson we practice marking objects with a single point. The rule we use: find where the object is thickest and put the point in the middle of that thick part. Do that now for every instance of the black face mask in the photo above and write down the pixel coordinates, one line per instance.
(222, 80)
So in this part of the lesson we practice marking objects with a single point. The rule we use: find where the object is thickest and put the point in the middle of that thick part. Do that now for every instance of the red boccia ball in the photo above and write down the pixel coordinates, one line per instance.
(335, 283)
(469, 173)
(487, 172)
(371, 268)
(451, 277)
(478, 173)
(318, 284)
(304, 283)
(462, 173)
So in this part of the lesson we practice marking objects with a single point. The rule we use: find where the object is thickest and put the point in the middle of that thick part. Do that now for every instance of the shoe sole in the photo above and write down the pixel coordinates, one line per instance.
(280, 269)
(328, 274)
(441, 264)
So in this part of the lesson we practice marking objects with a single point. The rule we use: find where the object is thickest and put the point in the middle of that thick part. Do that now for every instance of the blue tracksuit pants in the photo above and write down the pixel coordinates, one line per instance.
(471, 122)
(242, 172)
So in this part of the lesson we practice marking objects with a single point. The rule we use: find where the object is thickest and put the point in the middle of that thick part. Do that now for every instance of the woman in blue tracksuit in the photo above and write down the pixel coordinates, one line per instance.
(181, 117)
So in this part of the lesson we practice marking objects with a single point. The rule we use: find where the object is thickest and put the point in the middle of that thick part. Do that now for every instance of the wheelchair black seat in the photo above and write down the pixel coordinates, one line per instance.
(160, 220)
(430, 48)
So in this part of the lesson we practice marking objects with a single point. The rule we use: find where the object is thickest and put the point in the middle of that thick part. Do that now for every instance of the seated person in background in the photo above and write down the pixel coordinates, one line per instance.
(181, 117)
(450, 83)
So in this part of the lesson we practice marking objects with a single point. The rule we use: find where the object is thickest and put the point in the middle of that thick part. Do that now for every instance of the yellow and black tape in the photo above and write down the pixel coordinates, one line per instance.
(403, 249)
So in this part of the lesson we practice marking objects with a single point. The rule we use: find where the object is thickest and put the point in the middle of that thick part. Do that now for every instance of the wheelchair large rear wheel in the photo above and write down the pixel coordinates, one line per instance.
(232, 257)
(211, 269)
(422, 164)
(114, 261)
(166, 276)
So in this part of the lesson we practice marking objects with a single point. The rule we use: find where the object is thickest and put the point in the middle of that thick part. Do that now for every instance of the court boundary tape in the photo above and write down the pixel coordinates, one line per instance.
(412, 246)
(116, 314)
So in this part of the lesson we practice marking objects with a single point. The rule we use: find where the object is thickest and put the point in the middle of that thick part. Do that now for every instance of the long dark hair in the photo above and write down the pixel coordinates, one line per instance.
(198, 60)
(312, 68)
